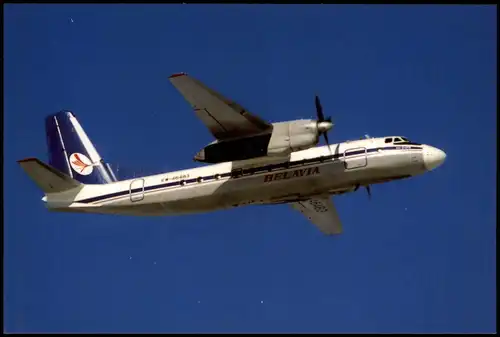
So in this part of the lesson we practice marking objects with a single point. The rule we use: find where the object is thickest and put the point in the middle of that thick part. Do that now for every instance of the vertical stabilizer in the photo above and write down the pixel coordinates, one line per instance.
(72, 152)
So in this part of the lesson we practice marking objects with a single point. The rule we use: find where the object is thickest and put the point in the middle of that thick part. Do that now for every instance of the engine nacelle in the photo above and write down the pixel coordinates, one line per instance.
(285, 138)
(288, 137)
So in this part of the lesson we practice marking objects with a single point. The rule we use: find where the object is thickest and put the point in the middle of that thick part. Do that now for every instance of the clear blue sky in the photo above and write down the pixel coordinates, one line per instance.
(419, 257)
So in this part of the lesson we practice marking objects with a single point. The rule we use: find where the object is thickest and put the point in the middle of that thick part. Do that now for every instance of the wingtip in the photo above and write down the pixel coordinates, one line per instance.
(177, 75)
(27, 159)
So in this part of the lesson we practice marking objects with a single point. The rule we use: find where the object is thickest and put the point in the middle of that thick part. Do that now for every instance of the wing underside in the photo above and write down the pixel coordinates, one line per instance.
(321, 212)
(224, 118)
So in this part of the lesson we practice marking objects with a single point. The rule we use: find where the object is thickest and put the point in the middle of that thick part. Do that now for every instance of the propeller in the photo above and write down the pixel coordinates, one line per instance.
(368, 190)
(324, 124)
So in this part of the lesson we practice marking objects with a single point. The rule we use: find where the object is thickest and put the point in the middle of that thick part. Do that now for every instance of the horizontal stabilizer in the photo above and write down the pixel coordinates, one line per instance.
(46, 177)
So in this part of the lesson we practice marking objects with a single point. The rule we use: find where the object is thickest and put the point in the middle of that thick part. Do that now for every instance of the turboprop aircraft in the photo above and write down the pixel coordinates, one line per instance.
(251, 162)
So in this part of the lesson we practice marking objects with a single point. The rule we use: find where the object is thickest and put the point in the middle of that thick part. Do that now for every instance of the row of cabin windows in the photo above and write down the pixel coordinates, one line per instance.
(236, 173)
(198, 180)
(253, 170)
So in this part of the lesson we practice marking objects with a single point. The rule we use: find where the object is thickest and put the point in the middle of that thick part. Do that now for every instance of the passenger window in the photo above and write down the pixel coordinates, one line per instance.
(249, 171)
(237, 173)
(388, 140)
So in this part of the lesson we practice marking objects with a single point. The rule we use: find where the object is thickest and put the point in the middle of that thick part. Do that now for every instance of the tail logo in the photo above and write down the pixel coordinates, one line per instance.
(81, 164)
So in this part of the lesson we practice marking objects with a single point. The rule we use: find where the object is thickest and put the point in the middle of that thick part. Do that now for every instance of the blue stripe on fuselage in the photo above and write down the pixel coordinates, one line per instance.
(263, 169)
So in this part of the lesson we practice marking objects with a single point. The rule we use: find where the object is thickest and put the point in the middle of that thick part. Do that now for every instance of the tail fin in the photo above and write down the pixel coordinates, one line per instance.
(47, 178)
(72, 152)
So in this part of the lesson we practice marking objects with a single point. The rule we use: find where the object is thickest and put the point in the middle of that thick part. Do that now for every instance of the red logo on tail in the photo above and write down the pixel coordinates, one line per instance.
(81, 164)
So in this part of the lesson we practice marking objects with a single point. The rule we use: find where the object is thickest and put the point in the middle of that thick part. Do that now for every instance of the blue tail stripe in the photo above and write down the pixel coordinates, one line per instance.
(57, 154)
(63, 141)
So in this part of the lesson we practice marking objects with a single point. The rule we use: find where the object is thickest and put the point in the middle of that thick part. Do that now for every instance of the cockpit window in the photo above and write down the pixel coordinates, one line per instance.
(400, 141)
(404, 140)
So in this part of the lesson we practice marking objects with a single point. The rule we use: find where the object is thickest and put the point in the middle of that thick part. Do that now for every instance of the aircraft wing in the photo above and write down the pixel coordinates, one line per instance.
(224, 118)
(321, 212)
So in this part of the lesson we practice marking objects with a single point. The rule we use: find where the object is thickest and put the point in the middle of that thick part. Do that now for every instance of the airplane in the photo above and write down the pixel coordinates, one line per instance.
(251, 162)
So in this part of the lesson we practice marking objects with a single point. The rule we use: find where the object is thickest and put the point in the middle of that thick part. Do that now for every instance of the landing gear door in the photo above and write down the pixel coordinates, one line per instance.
(355, 158)
(137, 190)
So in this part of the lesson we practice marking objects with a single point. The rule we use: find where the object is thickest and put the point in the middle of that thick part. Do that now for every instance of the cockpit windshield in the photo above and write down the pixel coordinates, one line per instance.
(400, 140)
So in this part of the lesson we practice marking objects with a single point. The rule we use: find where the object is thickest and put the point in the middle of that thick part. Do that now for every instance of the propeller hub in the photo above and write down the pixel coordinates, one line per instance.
(324, 126)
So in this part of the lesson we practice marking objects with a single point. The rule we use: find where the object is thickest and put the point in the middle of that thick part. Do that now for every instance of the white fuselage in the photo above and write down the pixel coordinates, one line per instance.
(338, 168)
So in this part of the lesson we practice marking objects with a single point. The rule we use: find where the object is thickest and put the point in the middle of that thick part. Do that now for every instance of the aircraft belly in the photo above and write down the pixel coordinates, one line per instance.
(234, 192)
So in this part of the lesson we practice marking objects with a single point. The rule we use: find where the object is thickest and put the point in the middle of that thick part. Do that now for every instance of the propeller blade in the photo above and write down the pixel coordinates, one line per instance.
(322, 126)
(326, 139)
(369, 191)
(319, 110)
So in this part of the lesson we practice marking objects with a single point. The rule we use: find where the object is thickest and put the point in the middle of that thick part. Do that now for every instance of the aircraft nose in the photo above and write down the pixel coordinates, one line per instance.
(433, 157)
